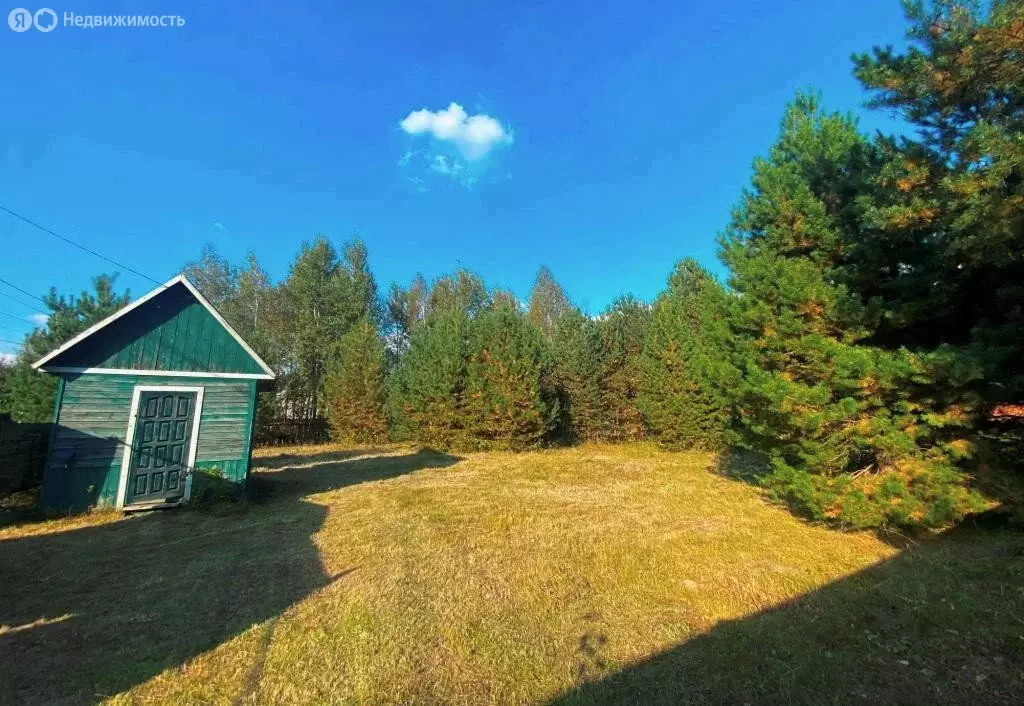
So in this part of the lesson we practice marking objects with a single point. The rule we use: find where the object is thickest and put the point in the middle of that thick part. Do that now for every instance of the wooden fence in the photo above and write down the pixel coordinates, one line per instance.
(22, 455)
(291, 431)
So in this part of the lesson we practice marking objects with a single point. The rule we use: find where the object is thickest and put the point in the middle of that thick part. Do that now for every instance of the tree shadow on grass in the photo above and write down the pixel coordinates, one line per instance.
(743, 465)
(306, 459)
(94, 611)
(306, 477)
(942, 623)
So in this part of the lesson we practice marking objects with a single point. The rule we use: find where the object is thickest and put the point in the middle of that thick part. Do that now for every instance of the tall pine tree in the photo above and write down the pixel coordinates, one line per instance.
(621, 330)
(354, 389)
(325, 296)
(507, 404)
(686, 379)
(850, 433)
(576, 376)
(427, 391)
(949, 207)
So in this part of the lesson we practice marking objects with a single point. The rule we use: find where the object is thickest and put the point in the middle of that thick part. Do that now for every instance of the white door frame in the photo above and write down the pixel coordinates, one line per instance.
(129, 439)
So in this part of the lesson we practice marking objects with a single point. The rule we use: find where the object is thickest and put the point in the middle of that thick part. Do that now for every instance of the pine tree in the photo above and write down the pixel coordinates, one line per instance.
(507, 405)
(622, 329)
(29, 395)
(686, 377)
(855, 432)
(576, 374)
(354, 389)
(949, 207)
(426, 393)
(408, 307)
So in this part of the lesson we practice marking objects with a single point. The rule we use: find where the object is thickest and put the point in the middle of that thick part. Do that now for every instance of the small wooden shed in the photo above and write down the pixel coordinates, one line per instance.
(160, 389)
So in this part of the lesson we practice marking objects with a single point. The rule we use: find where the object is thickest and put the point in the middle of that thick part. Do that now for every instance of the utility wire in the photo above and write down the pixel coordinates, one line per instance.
(13, 343)
(16, 318)
(27, 294)
(27, 306)
(80, 247)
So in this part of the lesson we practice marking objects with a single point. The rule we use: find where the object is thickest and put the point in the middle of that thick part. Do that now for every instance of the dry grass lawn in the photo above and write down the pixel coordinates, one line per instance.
(588, 575)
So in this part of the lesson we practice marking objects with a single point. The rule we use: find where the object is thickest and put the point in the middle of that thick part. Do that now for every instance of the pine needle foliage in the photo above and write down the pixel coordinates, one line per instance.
(856, 433)
(685, 376)
(576, 352)
(621, 330)
(354, 389)
(427, 392)
(507, 404)
(474, 378)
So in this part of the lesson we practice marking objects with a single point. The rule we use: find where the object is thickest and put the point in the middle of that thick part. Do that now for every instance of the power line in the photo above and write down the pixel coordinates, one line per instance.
(26, 293)
(13, 343)
(27, 306)
(16, 318)
(80, 247)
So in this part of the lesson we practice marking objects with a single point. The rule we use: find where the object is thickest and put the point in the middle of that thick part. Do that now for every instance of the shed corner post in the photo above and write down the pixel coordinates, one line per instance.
(46, 493)
(250, 433)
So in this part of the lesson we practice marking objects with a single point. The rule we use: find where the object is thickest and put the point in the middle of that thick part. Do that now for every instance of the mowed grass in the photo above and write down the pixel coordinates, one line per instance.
(588, 575)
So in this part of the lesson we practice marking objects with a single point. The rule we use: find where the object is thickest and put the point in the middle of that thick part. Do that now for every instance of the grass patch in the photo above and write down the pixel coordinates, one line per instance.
(595, 574)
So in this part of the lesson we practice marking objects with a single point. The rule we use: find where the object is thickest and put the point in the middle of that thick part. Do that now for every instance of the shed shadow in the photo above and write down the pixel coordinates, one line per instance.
(941, 623)
(77, 470)
(91, 612)
(82, 470)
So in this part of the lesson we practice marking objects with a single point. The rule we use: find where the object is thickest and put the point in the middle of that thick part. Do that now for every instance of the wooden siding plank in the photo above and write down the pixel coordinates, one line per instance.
(150, 342)
(177, 353)
(204, 348)
(188, 360)
(214, 353)
(167, 342)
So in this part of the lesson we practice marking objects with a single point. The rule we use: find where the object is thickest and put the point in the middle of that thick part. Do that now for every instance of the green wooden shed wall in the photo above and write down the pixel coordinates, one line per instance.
(170, 340)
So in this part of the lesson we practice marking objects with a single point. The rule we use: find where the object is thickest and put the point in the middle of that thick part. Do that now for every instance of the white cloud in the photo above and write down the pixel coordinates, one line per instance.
(7, 358)
(443, 165)
(38, 319)
(218, 225)
(474, 135)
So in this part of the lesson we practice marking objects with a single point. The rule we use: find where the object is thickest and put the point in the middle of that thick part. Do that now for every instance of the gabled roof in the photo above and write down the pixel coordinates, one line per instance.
(49, 362)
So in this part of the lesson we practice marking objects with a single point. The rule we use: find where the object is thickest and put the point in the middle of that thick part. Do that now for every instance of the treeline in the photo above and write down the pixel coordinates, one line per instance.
(871, 324)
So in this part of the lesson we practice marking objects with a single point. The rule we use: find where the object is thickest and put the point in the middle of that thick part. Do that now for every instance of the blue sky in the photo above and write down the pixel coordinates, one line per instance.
(609, 139)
